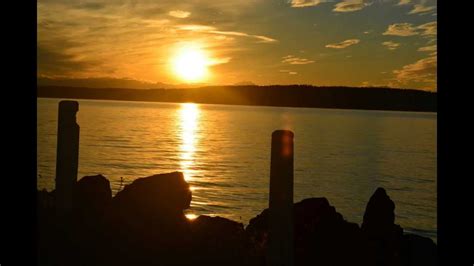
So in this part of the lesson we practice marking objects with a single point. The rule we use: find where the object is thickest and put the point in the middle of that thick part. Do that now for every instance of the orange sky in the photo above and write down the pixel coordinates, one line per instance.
(319, 42)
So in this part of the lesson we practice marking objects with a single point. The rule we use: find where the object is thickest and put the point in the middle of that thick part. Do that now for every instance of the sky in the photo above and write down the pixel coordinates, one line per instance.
(319, 42)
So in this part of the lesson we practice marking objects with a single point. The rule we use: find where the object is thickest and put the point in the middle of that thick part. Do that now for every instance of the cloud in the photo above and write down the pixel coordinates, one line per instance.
(91, 6)
(343, 44)
(403, 2)
(401, 29)
(264, 39)
(421, 9)
(391, 45)
(55, 62)
(422, 71)
(293, 60)
(213, 30)
(351, 5)
(429, 29)
(289, 72)
(408, 29)
(306, 3)
(179, 13)
(117, 40)
(431, 48)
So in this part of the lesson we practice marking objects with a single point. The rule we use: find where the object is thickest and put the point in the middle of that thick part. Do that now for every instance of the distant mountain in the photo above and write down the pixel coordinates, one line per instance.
(119, 83)
(245, 83)
(101, 83)
(370, 98)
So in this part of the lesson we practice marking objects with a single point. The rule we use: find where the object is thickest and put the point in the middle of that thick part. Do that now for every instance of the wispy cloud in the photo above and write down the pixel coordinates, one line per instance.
(351, 5)
(408, 29)
(391, 45)
(430, 48)
(422, 71)
(343, 44)
(293, 60)
(306, 3)
(289, 72)
(404, 2)
(421, 9)
(213, 30)
(179, 13)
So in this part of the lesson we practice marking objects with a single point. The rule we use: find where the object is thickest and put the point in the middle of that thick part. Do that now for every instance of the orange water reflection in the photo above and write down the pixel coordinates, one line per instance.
(189, 124)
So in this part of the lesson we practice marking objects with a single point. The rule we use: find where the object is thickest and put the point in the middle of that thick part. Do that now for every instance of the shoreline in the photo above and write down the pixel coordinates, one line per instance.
(240, 105)
(298, 96)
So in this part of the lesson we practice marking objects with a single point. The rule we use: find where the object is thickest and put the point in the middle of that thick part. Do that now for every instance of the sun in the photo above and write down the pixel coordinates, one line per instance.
(190, 63)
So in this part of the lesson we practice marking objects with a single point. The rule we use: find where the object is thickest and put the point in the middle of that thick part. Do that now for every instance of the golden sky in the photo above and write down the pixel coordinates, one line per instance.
(319, 42)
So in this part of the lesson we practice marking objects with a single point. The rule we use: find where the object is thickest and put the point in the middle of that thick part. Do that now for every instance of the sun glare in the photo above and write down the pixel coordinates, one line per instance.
(190, 64)
(189, 125)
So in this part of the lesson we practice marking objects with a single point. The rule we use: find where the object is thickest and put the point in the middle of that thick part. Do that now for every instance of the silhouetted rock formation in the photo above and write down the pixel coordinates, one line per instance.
(322, 236)
(378, 225)
(144, 224)
(386, 238)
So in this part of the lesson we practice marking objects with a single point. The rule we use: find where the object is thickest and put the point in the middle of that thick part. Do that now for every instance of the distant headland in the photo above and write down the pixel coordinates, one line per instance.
(365, 98)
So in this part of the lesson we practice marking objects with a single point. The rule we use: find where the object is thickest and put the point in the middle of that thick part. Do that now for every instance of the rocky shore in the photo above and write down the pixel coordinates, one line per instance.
(144, 224)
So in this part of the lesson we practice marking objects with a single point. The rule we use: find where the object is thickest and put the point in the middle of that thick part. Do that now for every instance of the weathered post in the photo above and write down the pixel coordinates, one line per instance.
(67, 155)
(281, 245)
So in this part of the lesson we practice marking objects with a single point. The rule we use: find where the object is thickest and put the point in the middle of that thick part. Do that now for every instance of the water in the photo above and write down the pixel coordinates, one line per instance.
(224, 152)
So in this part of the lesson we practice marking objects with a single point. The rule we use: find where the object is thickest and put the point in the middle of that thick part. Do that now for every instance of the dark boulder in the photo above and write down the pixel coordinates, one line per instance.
(154, 195)
(146, 221)
(219, 241)
(418, 250)
(92, 196)
(216, 229)
(44, 200)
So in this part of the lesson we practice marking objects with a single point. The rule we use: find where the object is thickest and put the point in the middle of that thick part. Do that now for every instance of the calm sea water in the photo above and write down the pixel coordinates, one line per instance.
(224, 152)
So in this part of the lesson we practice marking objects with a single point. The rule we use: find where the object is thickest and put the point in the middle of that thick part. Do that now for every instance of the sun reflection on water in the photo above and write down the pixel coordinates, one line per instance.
(189, 124)
(191, 216)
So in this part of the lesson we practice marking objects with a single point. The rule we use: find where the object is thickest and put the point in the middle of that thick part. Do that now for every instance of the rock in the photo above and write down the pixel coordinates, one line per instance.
(216, 228)
(219, 241)
(146, 221)
(379, 216)
(379, 227)
(92, 196)
(44, 200)
(154, 195)
(322, 236)
(418, 250)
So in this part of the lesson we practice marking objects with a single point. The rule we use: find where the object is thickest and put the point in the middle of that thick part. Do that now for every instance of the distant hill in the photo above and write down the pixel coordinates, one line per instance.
(368, 98)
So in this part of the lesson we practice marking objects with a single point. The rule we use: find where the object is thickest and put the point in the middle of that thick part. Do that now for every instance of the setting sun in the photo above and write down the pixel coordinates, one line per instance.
(190, 64)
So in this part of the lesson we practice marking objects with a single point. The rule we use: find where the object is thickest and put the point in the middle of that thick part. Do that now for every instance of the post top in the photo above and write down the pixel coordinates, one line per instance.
(282, 133)
(69, 106)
